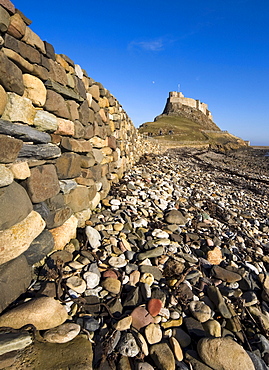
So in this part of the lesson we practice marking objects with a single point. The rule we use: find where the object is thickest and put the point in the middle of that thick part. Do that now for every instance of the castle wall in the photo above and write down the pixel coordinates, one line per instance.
(64, 140)
(178, 98)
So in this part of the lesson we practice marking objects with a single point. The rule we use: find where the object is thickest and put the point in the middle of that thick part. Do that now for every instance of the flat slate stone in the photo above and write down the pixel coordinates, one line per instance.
(15, 277)
(63, 90)
(15, 205)
(39, 248)
(23, 132)
(40, 151)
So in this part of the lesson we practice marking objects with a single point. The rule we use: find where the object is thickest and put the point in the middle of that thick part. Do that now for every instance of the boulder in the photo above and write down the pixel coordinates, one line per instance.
(15, 240)
(44, 313)
(39, 248)
(63, 234)
(224, 353)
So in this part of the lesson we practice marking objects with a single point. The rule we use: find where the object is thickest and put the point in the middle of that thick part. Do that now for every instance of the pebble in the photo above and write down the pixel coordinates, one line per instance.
(153, 333)
(141, 317)
(63, 333)
(124, 324)
(154, 306)
(112, 285)
(77, 284)
(92, 279)
(200, 311)
(162, 356)
(127, 345)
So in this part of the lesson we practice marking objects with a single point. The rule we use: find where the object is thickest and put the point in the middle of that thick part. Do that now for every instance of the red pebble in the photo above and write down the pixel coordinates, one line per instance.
(154, 306)
(141, 317)
(110, 274)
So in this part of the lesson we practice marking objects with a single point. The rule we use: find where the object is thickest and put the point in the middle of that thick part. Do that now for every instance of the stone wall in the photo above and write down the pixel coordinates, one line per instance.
(64, 139)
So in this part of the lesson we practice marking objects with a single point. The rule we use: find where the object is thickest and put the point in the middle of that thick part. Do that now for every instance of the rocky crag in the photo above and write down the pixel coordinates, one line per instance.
(64, 139)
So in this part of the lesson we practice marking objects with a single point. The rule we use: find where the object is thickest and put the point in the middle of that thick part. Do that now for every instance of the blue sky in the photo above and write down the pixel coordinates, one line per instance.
(218, 51)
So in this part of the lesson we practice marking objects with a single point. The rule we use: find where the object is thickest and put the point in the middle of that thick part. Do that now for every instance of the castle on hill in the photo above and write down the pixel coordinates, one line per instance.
(176, 97)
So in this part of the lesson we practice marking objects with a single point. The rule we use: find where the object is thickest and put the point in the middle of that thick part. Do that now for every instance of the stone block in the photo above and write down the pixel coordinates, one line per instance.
(103, 115)
(22, 63)
(15, 277)
(83, 216)
(84, 113)
(87, 161)
(6, 176)
(15, 205)
(78, 146)
(98, 143)
(19, 109)
(45, 121)
(40, 151)
(95, 201)
(68, 60)
(55, 202)
(63, 234)
(9, 148)
(56, 104)
(17, 27)
(65, 127)
(89, 132)
(34, 90)
(39, 248)
(57, 73)
(98, 155)
(79, 130)
(40, 72)
(7, 4)
(44, 62)
(78, 71)
(50, 52)
(68, 166)
(10, 75)
(34, 40)
(43, 183)
(23, 132)
(73, 109)
(78, 199)
(95, 92)
(112, 142)
(63, 90)
(95, 106)
(11, 43)
(29, 53)
(15, 240)
(60, 60)
(4, 19)
(20, 170)
(3, 100)
(26, 20)
(58, 217)
(79, 87)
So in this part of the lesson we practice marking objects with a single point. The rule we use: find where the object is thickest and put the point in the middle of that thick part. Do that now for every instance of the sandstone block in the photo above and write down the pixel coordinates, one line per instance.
(7, 4)
(19, 109)
(34, 90)
(6, 176)
(68, 166)
(103, 115)
(15, 240)
(63, 234)
(20, 170)
(43, 183)
(4, 19)
(79, 146)
(49, 50)
(44, 313)
(112, 142)
(3, 100)
(84, 113)
(98, 143)
(40, 72)
(78, 71)
(62, 62)
(34, 40)
(10, 75)
(9, 148)
(56, 104)
(22, 63)
(17, 27)
(65, 127)
(87, 161)
(15, 277)
(95, 106)
(79, 130)
(95, 92)
(39, 248)
(45, 121)
(73, 109)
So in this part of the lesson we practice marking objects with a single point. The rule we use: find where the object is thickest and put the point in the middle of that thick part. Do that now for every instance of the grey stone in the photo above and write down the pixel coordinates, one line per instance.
(194, 328)
(258, 362)
(15, 205)
(152, 270)
(15, 277)
(10, 75)
(127, 345)
(156, 252)
(50, 52)
(39, 248)
(175, 217)
(23, 132)
(40, 151)
(63, 90)
(45, 121)
(14, 341)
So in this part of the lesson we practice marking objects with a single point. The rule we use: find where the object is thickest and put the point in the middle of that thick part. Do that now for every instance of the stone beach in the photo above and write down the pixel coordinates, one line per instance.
(171, 272)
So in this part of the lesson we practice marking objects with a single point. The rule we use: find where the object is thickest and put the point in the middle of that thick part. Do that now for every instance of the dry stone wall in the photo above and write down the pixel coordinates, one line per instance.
(64, 139)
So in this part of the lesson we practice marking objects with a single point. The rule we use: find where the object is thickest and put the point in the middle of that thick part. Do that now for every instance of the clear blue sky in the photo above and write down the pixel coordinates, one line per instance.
(218, 51)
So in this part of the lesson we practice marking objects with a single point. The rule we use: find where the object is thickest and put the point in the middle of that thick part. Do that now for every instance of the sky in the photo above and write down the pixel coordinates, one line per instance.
(214, 51)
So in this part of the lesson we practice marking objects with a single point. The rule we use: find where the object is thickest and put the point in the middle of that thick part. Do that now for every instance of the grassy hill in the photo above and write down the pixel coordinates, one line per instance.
(180, 130)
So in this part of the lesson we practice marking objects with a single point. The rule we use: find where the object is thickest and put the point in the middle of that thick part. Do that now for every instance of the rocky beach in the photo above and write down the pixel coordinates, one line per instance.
(171, 272)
